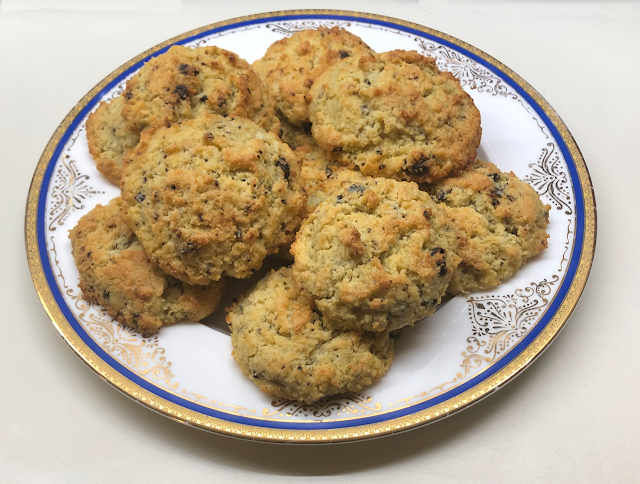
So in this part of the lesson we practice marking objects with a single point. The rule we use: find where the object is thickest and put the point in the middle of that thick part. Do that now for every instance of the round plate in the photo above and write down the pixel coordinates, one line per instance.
(468, 349)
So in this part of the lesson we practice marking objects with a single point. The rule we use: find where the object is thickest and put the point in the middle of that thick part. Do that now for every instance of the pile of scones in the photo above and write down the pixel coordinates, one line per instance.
(356, 169)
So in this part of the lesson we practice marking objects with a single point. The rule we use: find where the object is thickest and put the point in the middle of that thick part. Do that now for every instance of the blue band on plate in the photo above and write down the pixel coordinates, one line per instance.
(513, 353)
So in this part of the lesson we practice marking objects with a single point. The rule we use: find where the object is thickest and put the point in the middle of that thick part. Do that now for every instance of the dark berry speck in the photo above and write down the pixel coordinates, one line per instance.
(181, 91)
(282, 163)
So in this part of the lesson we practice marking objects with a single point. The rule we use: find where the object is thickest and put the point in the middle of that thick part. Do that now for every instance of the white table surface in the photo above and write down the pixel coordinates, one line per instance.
(572, 417)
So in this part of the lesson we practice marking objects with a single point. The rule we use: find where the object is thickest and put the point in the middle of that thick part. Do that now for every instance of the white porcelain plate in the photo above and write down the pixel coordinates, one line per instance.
(470, 347)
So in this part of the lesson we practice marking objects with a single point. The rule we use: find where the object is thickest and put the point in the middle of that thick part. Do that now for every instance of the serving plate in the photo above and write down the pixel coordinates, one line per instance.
(472, 345)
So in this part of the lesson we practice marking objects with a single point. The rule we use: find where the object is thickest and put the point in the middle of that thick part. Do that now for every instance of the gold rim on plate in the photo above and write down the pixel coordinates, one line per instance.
(419, 418)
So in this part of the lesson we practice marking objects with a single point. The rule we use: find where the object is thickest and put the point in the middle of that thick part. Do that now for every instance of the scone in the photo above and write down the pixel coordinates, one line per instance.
(180, 84)
(283, 345)
(375, 255)
(212, 196)
(320, 176)
(501, 220)
(116, 273)
(291, 65)
(395, 115)
(109, 138)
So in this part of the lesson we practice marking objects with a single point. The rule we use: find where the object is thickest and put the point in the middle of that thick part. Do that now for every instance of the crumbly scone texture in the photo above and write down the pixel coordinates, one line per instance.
(116, 273)
(283, 345)
(320, 176)
(184, 83)
(109, 138)
(295, 136)
(212, 196)
(375, 255)
(501, 221)
(180, 84)
(291, 65)
(395, 115)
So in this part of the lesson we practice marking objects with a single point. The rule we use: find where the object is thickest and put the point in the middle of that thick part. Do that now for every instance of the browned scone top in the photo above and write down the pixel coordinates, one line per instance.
(110, 138)
(501, 221)
(281, 342)
(179, 84)
(116, 273)
(185, 82)
(395, 115)
(320, 176)
(212, 196)
(291, 65)
(376, 254)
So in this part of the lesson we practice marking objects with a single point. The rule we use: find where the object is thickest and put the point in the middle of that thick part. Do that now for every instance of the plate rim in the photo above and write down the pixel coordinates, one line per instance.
(349, 433)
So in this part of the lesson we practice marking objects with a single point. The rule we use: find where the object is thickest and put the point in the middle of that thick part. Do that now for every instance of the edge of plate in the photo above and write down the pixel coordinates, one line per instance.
(423, 417)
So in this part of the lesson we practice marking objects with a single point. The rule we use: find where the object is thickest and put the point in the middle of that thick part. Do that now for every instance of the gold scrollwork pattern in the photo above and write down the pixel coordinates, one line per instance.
(474, 75)
(566, 245)
(142, 355)
(118, 90)
(466, 70)
(385, 29)
(343, 404)
(550, 179)
(498, 322)
(70, 190)
(289, 28)
(201, 399)
(110, 97)
(76, 135)
(437, 390)
(205, 41)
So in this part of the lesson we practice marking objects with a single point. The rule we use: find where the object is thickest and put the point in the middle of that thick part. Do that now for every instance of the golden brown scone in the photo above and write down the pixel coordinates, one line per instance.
(395, 115)
(320, 176)
(283, 345)
(316, 167)
(116, 273)
(109, 138)
(501, 220)
(180, 84)
(375, 255)
(212, 196)
(291, 65)
(184, 83)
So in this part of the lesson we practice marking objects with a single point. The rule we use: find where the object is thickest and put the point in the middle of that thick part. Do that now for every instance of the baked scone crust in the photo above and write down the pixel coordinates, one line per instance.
(291, 65)
(501, 221)
(180, 84)
(395, 115)
(184, 83)
(375, 255)
(320, 176)
(212, 196)
(282, 344)
(116, 273)
(109, 138)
